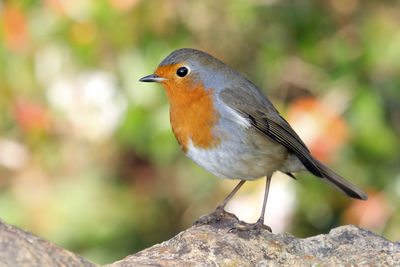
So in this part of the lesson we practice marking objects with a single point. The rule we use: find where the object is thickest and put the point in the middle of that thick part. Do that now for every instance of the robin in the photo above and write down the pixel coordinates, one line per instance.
(225, 124)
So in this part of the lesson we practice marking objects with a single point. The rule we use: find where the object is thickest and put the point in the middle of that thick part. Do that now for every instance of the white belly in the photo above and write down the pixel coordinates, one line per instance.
(237, 158)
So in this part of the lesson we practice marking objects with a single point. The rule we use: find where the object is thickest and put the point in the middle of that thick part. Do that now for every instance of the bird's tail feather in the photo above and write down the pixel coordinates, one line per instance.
(335, 180)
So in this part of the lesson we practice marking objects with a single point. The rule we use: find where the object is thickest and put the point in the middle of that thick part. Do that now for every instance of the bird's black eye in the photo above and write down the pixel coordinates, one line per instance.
(182, 71)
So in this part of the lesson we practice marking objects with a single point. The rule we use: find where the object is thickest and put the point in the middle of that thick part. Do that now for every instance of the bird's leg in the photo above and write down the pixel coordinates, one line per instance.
(219, 211)
(260, 222)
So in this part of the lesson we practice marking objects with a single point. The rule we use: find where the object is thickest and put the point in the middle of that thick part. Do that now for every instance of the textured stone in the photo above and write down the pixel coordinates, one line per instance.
(214, 245)
(21, 248)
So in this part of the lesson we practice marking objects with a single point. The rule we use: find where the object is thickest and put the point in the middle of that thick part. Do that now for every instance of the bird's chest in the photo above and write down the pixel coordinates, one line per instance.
(193, 120)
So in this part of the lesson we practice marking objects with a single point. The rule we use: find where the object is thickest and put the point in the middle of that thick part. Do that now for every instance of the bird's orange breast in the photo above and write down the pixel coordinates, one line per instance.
(192, 112)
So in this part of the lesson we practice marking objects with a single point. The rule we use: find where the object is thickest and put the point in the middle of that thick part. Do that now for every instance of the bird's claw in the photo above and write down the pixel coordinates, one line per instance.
(249, 227)
(212, 217)
(218, 215)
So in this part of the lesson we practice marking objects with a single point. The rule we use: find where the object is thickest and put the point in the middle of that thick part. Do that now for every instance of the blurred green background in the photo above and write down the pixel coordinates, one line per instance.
(87, 157)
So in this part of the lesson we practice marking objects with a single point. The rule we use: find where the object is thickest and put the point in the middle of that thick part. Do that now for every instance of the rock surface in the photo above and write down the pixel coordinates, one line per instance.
(214, 245)
(21, 248)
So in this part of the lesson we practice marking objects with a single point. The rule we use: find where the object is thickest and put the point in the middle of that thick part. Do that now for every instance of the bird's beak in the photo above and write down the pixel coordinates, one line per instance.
(152, 78)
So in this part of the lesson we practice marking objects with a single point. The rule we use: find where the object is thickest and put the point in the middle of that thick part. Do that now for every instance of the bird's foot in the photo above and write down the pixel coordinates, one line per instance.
(213, 217)
(242, 226)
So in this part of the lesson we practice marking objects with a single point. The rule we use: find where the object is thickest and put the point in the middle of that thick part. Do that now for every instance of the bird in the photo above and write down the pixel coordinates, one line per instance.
(228, 126)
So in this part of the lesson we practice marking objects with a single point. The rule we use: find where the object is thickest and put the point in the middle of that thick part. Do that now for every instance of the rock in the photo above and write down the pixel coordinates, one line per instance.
(21, 248)
(213, 245)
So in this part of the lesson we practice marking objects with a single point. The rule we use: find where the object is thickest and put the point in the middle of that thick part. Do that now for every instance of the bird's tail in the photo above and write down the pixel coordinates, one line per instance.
(335, 180)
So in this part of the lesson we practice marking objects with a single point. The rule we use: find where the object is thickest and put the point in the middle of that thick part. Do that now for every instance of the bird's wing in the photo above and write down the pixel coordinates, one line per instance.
(254, 105)
(262, 115)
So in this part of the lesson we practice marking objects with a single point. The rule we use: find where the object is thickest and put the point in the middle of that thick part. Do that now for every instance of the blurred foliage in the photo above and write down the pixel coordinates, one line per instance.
(87, 157)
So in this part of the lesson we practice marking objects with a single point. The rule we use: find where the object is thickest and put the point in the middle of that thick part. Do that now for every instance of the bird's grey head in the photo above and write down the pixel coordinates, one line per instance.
(212, 72)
